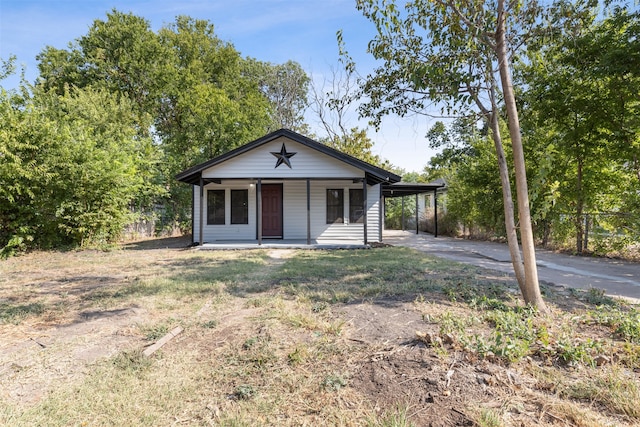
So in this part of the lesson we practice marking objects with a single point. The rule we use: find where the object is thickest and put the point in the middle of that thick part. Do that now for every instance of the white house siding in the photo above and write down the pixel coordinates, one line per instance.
(227, 231)
(294, 215)
(374, 232)
(260, 163)
(339, 231)
(294, 212)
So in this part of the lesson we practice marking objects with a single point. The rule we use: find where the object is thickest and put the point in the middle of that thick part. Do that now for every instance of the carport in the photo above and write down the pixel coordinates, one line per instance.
(403, 189)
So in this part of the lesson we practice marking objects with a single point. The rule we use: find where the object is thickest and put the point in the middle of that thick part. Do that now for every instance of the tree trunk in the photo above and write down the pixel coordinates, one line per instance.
(531, 289)
(579, 221)
(509, 214)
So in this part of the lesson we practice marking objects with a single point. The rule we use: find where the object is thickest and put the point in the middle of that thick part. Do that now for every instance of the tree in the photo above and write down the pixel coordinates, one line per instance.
(458, 54)
(467, 161)
(332, 107)
(286, 87)
(184, 77)
(207, 106)
(121, 54)
(583, 109)
(454, 143)
(71, 168)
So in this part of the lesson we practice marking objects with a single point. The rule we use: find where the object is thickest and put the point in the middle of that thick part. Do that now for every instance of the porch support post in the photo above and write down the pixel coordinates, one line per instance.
(417, 216)
(200, 233)
(308, 211)
(402, 218)
(381, 214)
(435, 212)
(365, 212)
(259, 209)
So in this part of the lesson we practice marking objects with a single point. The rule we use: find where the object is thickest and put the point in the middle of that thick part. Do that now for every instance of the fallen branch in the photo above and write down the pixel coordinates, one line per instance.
(165, 339)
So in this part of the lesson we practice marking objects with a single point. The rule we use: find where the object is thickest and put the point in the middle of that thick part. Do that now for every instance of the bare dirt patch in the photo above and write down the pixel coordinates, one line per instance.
(42, 358)
(404, 371)
(437, 390)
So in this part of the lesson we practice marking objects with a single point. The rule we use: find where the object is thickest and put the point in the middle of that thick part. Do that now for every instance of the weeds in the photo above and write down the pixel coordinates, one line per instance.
(595, 296)
(333, 382)
(489, 418)
(574, 352)
(16, 314)
(258, 352)
(298, 356)
(612, 388)
(244, 392)
(395, 418)
(624, 323)
(209, 324)
(131, 361)
(454, 323)
(154, 332)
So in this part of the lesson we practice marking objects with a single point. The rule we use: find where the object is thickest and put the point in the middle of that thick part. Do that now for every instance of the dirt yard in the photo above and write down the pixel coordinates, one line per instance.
(375, 360)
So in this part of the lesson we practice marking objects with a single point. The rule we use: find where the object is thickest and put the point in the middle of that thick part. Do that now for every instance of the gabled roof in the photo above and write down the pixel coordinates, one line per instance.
(373, 174)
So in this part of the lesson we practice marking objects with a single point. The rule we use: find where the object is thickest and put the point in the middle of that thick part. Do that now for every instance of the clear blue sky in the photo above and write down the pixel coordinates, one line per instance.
(269, 30)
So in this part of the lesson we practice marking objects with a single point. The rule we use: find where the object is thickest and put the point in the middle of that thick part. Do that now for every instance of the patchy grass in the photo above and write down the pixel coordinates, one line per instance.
(313, 338)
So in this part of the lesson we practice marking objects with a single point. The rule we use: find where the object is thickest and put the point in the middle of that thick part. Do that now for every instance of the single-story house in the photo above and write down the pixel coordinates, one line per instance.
(287, 186)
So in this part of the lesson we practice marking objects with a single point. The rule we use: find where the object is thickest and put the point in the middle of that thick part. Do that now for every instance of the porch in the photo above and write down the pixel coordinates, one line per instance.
(284, 244)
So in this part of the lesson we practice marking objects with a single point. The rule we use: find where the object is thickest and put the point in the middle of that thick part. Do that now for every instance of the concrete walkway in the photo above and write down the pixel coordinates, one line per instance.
(617, 278)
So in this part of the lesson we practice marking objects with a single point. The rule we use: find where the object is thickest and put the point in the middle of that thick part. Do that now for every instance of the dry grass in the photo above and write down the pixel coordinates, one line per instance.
(299, 338)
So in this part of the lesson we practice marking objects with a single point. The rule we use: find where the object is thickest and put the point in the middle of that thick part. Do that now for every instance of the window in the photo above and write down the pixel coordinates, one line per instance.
(215, 207)
(239, 206)
(335, 206)
(356, 206)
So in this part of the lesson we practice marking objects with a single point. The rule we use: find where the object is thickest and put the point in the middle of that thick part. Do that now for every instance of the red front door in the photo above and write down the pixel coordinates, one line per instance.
(272, 211)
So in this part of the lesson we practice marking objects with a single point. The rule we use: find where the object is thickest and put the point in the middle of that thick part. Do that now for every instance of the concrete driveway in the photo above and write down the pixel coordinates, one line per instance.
(617, 278)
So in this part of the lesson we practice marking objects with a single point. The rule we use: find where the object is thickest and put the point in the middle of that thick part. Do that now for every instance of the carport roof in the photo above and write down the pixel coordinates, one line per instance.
(400, 189)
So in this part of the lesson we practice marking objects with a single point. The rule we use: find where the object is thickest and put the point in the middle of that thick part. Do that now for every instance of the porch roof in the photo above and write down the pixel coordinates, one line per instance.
(373, 174)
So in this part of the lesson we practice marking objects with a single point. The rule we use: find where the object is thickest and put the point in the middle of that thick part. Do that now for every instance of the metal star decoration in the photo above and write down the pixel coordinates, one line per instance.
(283, 156)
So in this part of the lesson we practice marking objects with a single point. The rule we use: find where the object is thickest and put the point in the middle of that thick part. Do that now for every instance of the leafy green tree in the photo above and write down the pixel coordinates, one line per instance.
(71, 168)
(467, 161)
(454, 143)
(208, 107)
(357, 144)
(184, 77)
(286, 87)
(100, 170)
(19, 167)
(458, 55)
(7, 67)
(121, 54)
(583, 112)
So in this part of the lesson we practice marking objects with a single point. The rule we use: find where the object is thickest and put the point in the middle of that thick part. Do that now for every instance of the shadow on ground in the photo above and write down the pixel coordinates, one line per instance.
(160, 243)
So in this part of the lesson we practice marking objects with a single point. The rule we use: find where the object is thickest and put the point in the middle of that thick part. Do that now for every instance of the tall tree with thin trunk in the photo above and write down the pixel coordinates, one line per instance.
(452, 56)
